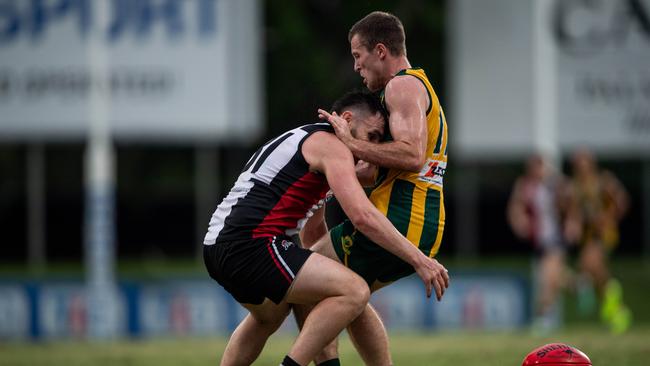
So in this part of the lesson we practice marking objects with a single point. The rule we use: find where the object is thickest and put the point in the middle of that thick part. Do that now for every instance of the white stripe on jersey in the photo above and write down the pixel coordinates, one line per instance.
(240, 190)
(284, 264)
(280, 157)
(271, 166)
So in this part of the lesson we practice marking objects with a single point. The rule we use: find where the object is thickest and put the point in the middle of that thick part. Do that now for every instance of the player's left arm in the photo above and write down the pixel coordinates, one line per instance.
(407, 101)
(314, 229)
(366, 173)
(617, 194)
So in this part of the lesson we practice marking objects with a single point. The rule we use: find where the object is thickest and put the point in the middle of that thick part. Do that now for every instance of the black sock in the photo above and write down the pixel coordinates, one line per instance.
(332, 362)
(288, 361)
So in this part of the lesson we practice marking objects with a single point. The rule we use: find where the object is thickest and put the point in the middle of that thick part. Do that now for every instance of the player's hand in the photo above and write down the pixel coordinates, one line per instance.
(435, 277)
(340, 124)
(365, 173)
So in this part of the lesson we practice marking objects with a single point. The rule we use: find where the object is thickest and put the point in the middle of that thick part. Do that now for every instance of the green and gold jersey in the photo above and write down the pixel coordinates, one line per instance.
(413, 201)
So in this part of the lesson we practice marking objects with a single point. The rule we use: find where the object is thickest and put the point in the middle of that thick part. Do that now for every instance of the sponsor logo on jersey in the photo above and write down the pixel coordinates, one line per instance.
(433, 171)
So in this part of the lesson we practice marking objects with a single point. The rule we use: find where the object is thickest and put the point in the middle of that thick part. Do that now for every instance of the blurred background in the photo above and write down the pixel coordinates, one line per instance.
(123, 124)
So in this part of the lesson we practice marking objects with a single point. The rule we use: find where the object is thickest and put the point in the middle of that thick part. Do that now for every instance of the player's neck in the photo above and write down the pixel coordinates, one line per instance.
(398, 64)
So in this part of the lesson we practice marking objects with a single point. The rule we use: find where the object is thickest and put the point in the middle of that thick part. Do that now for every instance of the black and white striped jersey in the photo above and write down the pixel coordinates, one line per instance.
(273, 193)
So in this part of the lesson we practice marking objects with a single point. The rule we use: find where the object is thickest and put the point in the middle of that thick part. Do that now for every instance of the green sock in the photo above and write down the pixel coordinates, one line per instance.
(612, 300)
(621, 321)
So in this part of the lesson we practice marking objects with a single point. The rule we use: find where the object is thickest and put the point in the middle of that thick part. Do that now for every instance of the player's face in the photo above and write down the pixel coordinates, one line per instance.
(367, 64)
(368, 127)
(536, 168)
(583, 162)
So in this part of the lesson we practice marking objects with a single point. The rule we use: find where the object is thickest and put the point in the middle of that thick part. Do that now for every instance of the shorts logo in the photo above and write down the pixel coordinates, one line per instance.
(286, 244)
(346, 242)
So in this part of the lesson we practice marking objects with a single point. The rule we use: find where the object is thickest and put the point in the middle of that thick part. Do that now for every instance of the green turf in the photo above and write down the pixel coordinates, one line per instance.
(462, 348)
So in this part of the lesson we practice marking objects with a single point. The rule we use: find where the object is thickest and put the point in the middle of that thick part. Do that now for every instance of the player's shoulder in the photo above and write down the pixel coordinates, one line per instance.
(316, 127)
(404, 84)
(321, 141)
(322, 149)
(403, 80)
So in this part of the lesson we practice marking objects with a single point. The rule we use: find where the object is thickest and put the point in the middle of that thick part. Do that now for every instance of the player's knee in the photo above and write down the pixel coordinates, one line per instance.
(271, 322)
(270, 325)
(359, 294)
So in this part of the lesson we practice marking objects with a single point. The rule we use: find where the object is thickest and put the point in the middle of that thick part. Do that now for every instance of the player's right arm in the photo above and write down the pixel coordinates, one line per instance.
(572, 225)
(407, 101)
(326, 153)
(517, 217)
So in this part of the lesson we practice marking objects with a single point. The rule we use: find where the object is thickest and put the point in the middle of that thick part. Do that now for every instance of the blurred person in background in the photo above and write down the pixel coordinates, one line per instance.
(412, 159)
(598, 202)
(535, 214)
(248, 249)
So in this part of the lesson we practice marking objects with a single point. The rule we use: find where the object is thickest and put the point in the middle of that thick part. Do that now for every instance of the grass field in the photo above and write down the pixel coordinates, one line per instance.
(443, 349)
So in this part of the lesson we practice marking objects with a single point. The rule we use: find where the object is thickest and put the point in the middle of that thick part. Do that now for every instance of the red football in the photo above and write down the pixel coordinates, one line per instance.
(556, 354)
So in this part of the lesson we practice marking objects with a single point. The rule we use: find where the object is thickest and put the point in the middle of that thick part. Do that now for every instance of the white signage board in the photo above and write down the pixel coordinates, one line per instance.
(600, 57)
(176, 69)
(604, 74)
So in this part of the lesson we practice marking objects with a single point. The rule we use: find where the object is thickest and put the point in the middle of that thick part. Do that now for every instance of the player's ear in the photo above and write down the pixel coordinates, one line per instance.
(347, 115)
(381, 50)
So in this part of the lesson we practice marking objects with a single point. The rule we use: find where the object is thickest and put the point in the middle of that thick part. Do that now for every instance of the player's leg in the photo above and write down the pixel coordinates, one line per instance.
(592, 262)
(341, 296)
(330, 352)
(367, 332)
(370, 339)
(613, 310)
(301, 311)
(552, 277)
(549, 277)
(247, 341)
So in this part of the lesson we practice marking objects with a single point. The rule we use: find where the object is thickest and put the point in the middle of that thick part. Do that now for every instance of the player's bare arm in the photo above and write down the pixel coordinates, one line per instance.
(366, 173)
(572, 225)
(517, 212)
(326, 153)
(407, 100)
(616, 193)
(314, 228)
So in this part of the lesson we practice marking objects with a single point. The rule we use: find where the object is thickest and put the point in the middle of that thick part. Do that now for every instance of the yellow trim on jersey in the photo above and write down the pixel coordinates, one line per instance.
(380, 196)
(441, 227)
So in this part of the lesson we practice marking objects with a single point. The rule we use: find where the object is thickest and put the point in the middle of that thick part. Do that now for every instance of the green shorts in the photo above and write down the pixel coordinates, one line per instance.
(366, 258)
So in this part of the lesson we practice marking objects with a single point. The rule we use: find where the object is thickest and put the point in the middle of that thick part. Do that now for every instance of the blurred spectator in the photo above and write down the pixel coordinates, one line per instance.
(597, 202)
(534, 215)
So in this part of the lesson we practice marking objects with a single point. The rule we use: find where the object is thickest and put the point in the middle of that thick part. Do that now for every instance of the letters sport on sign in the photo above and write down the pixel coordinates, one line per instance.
(175, 69)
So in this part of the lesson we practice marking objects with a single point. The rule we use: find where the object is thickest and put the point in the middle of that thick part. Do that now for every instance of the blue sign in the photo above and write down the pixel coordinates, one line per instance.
(126, 18)
(55, 309)
(14, 312)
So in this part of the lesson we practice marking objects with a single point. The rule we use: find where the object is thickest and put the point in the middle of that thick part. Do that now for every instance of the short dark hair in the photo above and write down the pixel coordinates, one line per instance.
(381, 27)
(361, 100)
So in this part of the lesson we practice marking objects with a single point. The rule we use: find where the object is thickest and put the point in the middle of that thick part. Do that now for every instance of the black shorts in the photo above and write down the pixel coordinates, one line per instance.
(254, 269)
